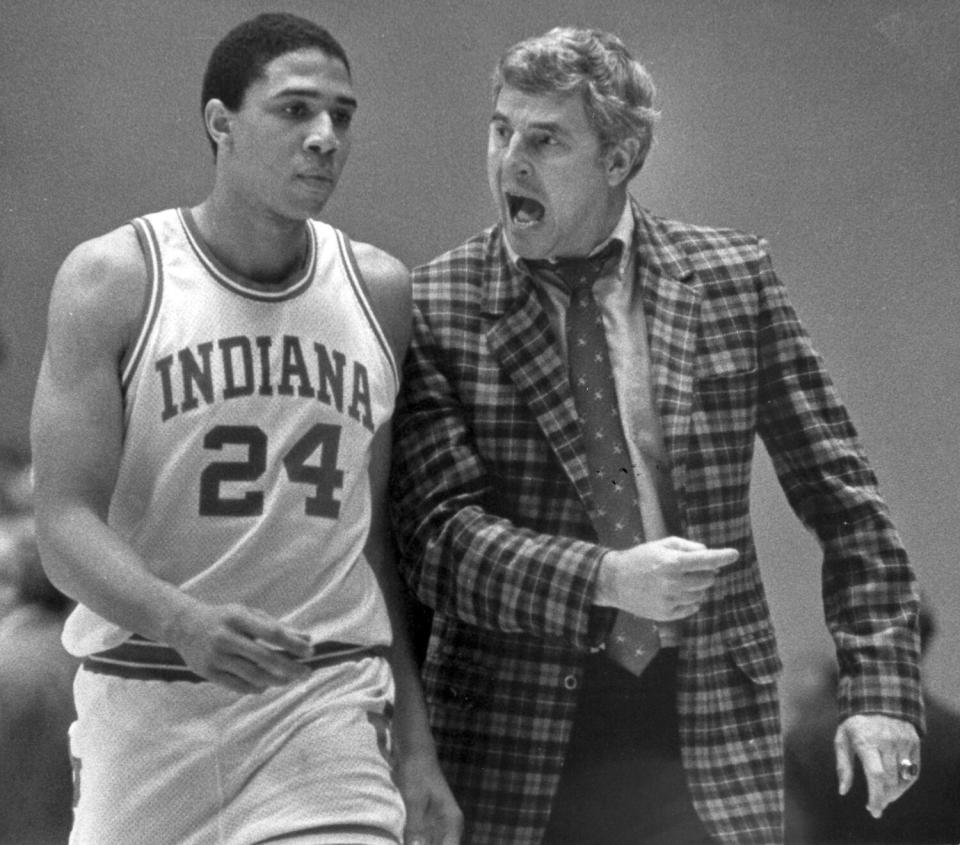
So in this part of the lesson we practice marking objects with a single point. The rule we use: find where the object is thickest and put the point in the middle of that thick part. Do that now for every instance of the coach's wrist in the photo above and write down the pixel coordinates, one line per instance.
(606, 591)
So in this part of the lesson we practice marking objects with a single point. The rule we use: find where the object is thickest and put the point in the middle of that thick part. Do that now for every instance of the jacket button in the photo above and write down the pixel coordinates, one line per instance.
(570, 682)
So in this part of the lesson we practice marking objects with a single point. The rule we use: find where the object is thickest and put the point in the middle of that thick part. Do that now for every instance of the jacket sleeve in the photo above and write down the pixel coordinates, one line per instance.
(869, 589)
(461, 554)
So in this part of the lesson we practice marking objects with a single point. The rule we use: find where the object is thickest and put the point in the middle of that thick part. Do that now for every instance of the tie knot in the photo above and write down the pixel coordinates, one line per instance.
(581, 271)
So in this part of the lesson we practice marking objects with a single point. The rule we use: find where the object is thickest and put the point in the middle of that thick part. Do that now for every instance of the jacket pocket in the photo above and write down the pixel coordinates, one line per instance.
(754, 651)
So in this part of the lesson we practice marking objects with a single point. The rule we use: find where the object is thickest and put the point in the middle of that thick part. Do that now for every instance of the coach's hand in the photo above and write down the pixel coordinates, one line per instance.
(237, 647)
(661, 580)
(888, 750)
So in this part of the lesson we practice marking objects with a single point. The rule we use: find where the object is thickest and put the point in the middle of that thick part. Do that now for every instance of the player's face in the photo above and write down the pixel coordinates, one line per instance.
(549, 175)
(290, 138)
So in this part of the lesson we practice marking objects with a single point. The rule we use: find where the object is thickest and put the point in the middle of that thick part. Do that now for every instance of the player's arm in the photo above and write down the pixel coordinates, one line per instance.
(387, 284)
(77, 441)
(433, 817)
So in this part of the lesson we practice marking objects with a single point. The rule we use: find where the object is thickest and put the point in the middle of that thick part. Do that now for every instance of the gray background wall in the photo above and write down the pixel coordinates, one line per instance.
(829, 127)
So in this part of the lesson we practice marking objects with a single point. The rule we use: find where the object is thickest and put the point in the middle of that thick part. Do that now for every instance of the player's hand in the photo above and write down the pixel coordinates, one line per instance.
(661, 580)
(881, 743)
(239, 648)
(433, 817)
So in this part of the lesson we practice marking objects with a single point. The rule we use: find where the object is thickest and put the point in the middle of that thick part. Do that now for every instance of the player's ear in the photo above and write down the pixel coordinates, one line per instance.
(218, 120)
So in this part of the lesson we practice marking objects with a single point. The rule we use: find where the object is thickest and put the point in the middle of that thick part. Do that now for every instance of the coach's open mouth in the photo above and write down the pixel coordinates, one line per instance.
(524, 211)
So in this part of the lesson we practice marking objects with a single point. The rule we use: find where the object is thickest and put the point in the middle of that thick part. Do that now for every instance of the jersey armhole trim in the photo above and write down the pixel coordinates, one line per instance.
(154, 292)
(362, 292)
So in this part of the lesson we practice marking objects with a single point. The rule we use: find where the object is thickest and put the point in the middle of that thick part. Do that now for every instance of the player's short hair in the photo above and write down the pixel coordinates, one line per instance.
(241, 56)
(617, 90)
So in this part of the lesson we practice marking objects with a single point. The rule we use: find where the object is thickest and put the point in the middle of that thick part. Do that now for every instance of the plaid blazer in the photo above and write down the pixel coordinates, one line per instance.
(492, 504)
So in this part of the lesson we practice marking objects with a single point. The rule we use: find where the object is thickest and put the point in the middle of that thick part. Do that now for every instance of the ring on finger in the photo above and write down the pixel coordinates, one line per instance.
(907, 770)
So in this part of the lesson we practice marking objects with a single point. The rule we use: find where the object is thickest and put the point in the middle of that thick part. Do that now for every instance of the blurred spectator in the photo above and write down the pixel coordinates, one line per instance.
(928, 814)
(36, 705)
(22, 579)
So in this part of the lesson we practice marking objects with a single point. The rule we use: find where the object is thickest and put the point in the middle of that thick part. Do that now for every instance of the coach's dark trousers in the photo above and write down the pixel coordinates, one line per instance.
(623, 783)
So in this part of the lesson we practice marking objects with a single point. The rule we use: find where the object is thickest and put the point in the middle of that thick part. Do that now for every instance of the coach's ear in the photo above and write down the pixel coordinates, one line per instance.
(218, 120)
(619, 159)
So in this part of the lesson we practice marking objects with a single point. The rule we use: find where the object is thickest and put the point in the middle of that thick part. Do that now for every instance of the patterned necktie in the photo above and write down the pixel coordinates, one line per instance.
(633, 641)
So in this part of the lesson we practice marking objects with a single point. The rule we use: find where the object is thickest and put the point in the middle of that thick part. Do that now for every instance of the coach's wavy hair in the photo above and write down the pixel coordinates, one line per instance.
(241, 56)
(617, 90)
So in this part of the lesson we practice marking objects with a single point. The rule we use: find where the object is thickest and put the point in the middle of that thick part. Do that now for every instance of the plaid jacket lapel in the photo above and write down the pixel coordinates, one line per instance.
(672, 309)
(521, 340)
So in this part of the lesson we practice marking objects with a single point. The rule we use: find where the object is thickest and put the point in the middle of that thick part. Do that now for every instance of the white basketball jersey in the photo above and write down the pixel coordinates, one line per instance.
(249, 417)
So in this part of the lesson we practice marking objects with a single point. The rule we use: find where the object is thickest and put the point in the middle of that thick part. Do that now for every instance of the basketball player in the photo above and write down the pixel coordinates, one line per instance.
(210, 433)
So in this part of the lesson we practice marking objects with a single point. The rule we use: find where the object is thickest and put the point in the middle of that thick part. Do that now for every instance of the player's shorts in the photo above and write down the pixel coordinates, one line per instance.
(178, 763)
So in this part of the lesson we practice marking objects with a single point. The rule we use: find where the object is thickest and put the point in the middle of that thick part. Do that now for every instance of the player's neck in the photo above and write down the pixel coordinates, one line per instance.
(267, 251)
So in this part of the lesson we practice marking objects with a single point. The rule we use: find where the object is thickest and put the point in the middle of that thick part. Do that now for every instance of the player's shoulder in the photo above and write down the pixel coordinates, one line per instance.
(102, 280)
(109, 264)
(379, 267)
(115, 252)
(387, 281)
